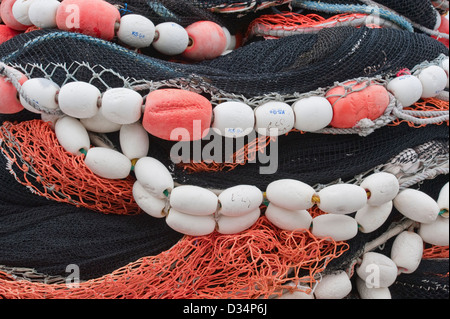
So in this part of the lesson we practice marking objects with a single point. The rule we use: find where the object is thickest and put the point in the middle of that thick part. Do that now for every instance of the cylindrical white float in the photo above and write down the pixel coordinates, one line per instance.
(290, 194)
(136, 31)
(134, 141)
(377, 270)
(338, 227)
(194, 200)
(122, 106)
(170, 38)
(366, 292)
(240, 200)
(42, 92)
(72, 135)
(417, 205)
(312, 113)
(370, 218)
(42, 13)
(333, 286)
(274, 119)
(436, 233)
(383, 188)
(99, 124)
(290, 220)
(407, 89)
(342, 199)
(79, 99)
(189, 224)
(234, 225)
(108, 163)
(233, 119)
(147, 202)
(154, 176)
(434, 81)
(407, 252)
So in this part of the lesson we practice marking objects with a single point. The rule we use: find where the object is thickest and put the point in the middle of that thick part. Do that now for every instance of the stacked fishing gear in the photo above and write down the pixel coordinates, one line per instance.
(275, 149)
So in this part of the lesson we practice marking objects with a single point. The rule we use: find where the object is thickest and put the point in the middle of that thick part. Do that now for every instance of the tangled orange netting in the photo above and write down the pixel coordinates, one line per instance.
(32, 149)
(260, 262)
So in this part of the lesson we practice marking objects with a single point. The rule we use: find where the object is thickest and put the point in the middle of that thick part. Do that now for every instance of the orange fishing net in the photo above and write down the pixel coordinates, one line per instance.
(241, 157)
(49, 171)
(260, 262)
(436, 252)
(278, 25)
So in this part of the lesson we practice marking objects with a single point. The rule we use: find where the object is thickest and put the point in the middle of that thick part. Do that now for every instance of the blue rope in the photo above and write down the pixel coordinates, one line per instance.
(353, 8)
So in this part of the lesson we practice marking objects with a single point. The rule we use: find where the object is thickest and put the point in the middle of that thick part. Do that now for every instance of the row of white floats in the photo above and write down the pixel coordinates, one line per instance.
(107, 112)
(288, 199)
(197, 211)
(375, 272)
(133, 30)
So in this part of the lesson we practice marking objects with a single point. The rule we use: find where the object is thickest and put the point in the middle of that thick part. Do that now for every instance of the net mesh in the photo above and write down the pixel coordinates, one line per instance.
(421, 12)
(136, 256)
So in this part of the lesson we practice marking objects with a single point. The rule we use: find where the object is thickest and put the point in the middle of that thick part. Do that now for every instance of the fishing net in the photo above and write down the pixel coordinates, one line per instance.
(56, 213)
(419, 14)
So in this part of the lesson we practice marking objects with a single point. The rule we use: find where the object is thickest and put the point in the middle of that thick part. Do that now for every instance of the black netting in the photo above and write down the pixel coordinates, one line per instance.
(48, 236)
(294, 64)
(429, 281)
(421, 12)
(183, 12)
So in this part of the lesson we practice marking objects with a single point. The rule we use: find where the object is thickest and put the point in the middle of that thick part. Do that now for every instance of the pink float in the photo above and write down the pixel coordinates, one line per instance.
(96, 18)
(177, 115)
(6, 33)
(370, 102)
(207, 41)
(8, 18)
(9, 102)
(443, 28)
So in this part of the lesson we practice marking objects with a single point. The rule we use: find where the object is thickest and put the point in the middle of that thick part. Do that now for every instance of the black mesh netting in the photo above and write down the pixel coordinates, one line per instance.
(293, 64)
(429, 281)
(300, 63)
(421, 12)
(48, 236)
(184, 12)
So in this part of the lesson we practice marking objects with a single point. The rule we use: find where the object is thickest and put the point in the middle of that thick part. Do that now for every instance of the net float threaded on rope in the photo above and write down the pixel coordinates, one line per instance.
(157, 181)
(202, 40)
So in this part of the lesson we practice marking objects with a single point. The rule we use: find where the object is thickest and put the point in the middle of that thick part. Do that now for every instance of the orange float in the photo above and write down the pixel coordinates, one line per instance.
(7, 33)
(207, 41)
(362, 102)
(9, 102)
(96, 18)
(8, 18)
(443, 28)
(177, 115)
